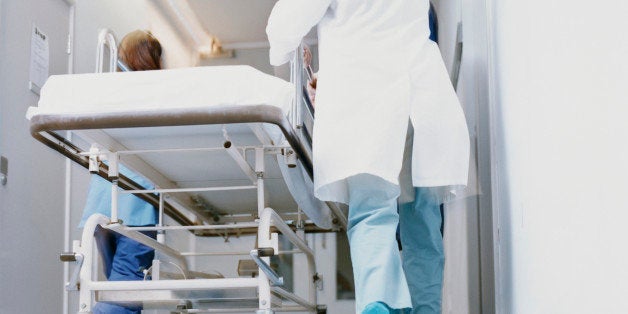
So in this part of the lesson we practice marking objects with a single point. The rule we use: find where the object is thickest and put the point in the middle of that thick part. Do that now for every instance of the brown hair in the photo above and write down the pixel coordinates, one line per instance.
(140, 51)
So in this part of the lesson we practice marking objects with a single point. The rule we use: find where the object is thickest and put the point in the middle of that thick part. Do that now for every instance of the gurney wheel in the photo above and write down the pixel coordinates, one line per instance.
(185, 305)
(321, 309)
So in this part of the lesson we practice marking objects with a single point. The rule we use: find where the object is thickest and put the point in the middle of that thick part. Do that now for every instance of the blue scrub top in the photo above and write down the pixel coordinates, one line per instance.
(131, 209)
(433, 24)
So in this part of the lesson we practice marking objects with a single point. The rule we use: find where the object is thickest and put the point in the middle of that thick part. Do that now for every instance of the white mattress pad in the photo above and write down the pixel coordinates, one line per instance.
(162, 89)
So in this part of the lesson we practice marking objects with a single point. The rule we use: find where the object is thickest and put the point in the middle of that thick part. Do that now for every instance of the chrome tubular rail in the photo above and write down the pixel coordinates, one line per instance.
(455, 72)
(296, 78)
(106, 37)
(266, 240)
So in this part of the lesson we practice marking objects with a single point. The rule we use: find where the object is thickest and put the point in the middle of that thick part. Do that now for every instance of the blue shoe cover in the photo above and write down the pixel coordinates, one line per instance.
(381, 308)
(376, 308)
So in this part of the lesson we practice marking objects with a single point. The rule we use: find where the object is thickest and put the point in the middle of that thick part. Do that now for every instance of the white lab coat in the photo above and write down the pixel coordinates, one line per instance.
(377, 70)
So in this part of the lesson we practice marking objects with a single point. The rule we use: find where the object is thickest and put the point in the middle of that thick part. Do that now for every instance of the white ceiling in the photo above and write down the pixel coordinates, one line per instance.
(234, 20)
(240, 25)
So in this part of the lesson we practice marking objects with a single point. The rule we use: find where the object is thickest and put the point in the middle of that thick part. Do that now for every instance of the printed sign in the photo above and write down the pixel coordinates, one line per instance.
(40, 60)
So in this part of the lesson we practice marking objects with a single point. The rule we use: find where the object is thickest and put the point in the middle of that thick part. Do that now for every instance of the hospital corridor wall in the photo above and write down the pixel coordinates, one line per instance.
(560, 132)
(468, 234)
(32, 201)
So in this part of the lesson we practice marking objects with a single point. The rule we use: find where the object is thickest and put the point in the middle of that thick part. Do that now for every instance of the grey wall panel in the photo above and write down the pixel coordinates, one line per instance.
(31, 204)
(121, 16)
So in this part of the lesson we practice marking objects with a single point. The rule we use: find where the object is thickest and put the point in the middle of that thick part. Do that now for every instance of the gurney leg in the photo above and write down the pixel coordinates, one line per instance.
(270, 218)
(259, 170)
(86, 295)
(264, 284)
(264, 293)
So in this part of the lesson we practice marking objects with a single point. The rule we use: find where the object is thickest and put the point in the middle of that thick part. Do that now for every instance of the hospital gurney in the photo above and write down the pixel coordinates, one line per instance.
(173, 127)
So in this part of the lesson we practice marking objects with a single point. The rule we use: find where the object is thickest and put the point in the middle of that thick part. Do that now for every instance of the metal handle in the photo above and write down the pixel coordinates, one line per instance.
(67, 257)
(4, 170)
(106, 37)
(270, 273)
(296, 77)
(455, 72)
(76, 258)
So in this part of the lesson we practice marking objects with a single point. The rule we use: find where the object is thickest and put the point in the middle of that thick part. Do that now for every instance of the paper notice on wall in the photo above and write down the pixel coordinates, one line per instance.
(40, 60)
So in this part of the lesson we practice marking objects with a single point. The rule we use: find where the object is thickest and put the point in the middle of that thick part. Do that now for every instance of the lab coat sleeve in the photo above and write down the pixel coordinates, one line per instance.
(289, 22)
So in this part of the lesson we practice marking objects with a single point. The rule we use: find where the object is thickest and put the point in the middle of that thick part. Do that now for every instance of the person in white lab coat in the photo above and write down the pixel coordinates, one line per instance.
(377, 71)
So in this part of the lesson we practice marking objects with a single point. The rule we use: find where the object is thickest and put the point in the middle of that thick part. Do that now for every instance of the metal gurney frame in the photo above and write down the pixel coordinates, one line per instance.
(45, 128)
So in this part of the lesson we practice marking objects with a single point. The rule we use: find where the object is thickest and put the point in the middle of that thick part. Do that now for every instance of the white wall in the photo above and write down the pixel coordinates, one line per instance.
(122, 17)
(257, 58)
(31, 204)
(560, 132)
(92, 15)
(457, 297)
(468, 282)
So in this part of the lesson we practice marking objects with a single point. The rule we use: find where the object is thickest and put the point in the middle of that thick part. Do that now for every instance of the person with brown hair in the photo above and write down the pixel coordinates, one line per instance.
(124, 258)
(140, 51)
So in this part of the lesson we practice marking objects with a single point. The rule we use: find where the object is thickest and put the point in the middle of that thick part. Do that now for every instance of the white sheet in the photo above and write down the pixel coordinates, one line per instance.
(164, 89)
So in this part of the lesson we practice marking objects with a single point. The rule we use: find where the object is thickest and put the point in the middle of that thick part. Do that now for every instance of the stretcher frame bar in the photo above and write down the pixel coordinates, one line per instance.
(243, 253)
(294, 298)
(269, 218)
(246, 310)
(176, 285)
(202, 149)
(309, 227)
(150, 242)
(183, 190)
(198, 227)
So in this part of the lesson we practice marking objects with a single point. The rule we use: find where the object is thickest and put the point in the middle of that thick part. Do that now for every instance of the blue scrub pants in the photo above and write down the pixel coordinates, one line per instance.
(423, 254)
(123, 259)
(380, 282)
(384, 284)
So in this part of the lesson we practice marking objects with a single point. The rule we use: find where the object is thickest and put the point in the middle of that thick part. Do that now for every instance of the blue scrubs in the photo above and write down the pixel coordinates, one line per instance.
(132, 210)
(423, 253)
(377, 268)
(123, 258)
(433, 20)
(388, 280)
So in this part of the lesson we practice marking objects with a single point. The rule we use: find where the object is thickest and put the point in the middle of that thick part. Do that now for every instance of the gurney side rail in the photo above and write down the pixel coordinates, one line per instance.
(232, 114)
(269, 218)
